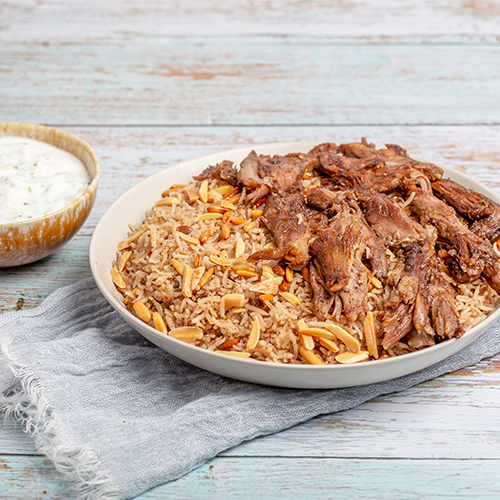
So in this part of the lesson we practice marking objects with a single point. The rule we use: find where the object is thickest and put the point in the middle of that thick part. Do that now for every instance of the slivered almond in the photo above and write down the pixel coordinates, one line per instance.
(351, 357)
(344, 337)
(225, 231)
(237, 221)
(239, 248)
(247, 274)
(187, 279)
(223, 254)
(224, 189)
(234, 300)
(167, 202)
(197, 275)
(288, 274)
(126, 243)
(203, 192)
(318, 332)
(216, 210)
(220, 261)
(214, 196)
(204, 279)
(277, 280)
(279, 271)
(305, 274)
(389, 253)
(178, 266)
(266, 297)
(125, 257)
(250, 225)
(142, 311)
(271, 244)
(264, 288)
(301, 325)
(257, 213)
(254, 336)
(370, 335)
(234, 190)
(298, 267)
(307, 341)
(192, 195)
(290, 297)
(187, 333)
(228, 344)
(285, 286)
(329, 344)
(204, 236)
(234, 199)
(126, 300)
(227, 205)
(159, 323)
(227, 216)
(187, 238)
(376, 283)
(208, 216)
(310, 357)
(236, 354)
(117, 278)
(174, 187)
(244, 267)
(267, 272)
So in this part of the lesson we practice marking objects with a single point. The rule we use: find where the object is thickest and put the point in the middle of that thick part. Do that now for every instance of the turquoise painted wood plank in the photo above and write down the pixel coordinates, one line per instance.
(274, 477)
(178, 82)
(354, 20)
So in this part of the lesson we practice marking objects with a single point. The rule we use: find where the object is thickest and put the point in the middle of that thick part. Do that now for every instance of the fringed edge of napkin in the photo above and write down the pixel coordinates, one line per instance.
(23, 398)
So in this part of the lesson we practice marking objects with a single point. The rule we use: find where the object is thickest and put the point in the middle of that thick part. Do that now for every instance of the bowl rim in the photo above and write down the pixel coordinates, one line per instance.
(91, 187)
(471, 334)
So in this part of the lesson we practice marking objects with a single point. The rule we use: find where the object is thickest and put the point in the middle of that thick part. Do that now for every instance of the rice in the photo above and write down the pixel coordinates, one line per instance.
(164, 258)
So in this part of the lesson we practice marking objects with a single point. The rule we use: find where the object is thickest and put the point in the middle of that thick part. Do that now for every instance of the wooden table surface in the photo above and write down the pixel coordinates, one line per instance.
(149, 84)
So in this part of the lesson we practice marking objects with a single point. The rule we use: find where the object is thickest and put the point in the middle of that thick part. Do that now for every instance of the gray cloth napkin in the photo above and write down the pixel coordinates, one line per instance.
(118, 415)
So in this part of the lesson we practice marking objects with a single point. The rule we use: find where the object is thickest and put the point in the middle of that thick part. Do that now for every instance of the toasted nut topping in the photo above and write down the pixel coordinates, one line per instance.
(305, 274)
(174, 187)
(247, 274)
(178, 266)
(329, 344)
(310, 357)
(257, 213)
(307, 341)
(279, 271)
(351, 357)
(234, 190)
(117, 278)
(223, 254)
(187, 279)
(159, 323)
(192, 195)
(185, 229)
(167, 202)
(267, 272)
(216, 210)
(126, 243)
(238, 221)
(318, 332)
(266, 297)
(203, 192)
(208, 216)
(370, 334)
(289, 274)
(344, 337)
(189, 239)
(236, 354)
(220, 261)
(214, 196)
(142, 311)
(187, 333)
(204, 236)
(227, 216)
(227, 204)
(206, 277)
(244, 267)
(123, 260)
(376, 283)
(254, 336)
(390, 254)
(228, 344)
(285, 286)
(234, 300)
(264, 288)
(276, 280)
(271, 244)
(225, 231)
(197, 275)
(126, 300)
(290, 297)
(250, 225)
(239, 248)
(224, 189)
(234, 199)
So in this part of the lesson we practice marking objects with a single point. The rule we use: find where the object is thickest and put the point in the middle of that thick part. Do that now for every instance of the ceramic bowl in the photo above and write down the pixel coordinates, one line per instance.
(130, 208)
(27, 241)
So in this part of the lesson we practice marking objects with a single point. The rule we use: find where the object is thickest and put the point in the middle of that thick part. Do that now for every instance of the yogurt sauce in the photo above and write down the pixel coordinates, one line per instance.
(37, 179)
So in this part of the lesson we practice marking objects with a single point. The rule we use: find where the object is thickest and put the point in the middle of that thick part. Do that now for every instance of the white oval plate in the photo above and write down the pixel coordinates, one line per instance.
(131, 208)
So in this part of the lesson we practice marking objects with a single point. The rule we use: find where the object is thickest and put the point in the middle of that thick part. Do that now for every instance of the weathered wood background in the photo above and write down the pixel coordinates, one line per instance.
(151, 84)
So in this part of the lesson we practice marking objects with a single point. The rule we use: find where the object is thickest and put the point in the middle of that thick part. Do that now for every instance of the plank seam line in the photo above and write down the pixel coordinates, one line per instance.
(261, 125)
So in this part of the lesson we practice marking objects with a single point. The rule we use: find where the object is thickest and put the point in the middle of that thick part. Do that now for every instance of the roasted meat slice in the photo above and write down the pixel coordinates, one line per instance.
(224, 170)
(474, 206)
(322, 298)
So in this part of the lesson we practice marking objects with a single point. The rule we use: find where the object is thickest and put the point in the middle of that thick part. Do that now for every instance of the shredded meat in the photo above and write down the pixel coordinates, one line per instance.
(224, 170)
